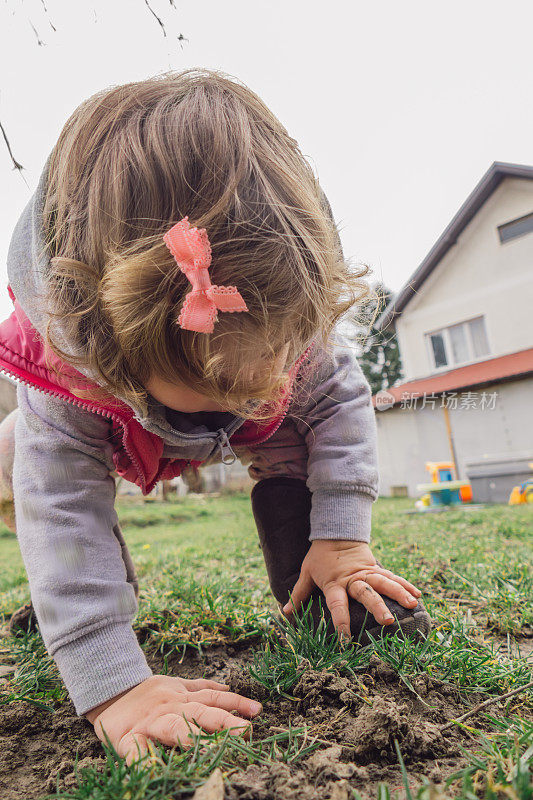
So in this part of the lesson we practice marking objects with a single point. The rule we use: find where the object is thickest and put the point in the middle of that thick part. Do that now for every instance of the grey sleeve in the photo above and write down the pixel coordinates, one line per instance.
(338, 425)
(328, 439)
(64, 511)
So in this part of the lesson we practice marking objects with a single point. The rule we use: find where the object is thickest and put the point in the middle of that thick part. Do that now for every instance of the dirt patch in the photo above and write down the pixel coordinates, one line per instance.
(38, 747)
(517, 646)
(355, 719)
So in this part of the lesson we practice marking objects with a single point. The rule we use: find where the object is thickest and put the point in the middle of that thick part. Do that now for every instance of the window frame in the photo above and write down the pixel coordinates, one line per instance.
(506, 226)
(445, 332)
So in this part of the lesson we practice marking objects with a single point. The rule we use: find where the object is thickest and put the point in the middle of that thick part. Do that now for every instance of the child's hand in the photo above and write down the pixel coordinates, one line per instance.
(165, 709)
(344, 567)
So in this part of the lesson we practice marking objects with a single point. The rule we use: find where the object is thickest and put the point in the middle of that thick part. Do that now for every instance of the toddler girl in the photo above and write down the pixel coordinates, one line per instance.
(177, 278)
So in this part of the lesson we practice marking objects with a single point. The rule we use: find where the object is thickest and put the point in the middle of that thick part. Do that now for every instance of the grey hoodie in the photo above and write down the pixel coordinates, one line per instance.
(64, 492)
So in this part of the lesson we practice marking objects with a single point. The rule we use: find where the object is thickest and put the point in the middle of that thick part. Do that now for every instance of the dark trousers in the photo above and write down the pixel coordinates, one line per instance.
(281, 507)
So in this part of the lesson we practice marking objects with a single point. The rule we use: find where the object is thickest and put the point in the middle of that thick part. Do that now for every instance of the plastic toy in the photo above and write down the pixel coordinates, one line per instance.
(441, 470)
(523, 493)
(443, 489)
(465, 493)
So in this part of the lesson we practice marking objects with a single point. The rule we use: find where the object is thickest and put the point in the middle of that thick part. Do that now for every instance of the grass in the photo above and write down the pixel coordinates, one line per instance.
(195, 615)
(292, 650)
(37, 679)
(504, 762)
(203, 583)
(453, 657)
(479, 560)
(177, 774)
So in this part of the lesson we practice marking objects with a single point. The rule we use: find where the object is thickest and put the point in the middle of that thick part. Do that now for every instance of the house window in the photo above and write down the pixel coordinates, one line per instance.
(439, 349)
(515, 228)
(459, 344)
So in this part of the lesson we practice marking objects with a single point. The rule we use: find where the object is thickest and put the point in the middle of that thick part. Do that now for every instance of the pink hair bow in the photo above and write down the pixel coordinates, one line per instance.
(192, 251)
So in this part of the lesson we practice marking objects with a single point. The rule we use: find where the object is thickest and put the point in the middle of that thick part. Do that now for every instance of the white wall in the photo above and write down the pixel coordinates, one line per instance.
(407, 438)
(478, 276)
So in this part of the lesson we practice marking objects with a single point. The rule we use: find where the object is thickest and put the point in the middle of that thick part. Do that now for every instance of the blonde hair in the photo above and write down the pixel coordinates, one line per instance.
(130, 162)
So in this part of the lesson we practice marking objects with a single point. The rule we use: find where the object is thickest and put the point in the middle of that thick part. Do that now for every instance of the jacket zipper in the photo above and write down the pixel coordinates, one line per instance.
(86, 407)
(225, 446)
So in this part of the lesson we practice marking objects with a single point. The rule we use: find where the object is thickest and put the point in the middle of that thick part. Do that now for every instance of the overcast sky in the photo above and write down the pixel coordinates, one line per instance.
(399, 106)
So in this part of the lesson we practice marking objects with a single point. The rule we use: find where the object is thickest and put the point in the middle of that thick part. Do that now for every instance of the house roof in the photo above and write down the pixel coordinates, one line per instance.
(486, 186)
(482, 373)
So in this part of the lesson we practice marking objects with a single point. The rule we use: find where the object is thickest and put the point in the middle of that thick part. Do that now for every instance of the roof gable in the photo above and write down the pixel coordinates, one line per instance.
(484, 189)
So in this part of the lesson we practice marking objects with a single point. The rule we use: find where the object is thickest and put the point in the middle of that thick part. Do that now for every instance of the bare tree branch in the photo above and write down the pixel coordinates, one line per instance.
(157, 18)
(49, 20)
(39, 40)
(486, 703)
(41, 43)
(16, 164)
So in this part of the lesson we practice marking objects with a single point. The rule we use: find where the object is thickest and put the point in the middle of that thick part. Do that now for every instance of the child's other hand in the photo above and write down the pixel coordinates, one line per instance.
(342, 568)
(165, 710)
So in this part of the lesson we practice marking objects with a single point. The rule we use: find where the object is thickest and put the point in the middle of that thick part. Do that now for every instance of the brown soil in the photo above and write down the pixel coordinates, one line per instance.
(38, 747)
(356, 721)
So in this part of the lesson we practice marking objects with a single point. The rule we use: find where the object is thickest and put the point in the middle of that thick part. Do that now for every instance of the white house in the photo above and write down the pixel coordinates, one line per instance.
(464, 323)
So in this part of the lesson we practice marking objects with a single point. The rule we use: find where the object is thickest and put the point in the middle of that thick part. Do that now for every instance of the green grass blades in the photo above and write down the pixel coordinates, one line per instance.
(503, 766)
(463, 559)
(176, 774)
(455, 657)
(296, 647)
(452, 656)
(36, 679)
(502, 769)
(203, 584)
(179, 612)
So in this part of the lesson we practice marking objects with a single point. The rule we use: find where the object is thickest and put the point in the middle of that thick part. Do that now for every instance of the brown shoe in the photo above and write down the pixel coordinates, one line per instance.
(281, 507)
(23, 619)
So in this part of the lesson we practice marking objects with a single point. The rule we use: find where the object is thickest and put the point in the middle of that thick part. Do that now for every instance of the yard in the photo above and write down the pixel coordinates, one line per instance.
(372, 722)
